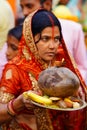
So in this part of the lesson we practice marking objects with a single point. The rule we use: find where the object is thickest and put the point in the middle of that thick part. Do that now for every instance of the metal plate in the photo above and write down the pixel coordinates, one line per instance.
(83, 105)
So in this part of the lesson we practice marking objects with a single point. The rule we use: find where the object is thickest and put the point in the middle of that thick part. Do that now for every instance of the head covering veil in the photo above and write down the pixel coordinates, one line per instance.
(40, 20)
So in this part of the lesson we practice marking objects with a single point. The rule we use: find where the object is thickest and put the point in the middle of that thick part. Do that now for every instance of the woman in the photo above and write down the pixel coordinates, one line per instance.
(39, 49)
(13, 40)
(10, 49)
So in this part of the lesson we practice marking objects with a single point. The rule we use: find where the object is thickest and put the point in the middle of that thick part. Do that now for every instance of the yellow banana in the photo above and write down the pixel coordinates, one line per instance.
(37, 98)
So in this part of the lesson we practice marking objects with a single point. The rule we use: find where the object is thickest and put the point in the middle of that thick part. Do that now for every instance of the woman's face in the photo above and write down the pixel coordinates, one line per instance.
(12, 47)
(48, 44)
(28, 6)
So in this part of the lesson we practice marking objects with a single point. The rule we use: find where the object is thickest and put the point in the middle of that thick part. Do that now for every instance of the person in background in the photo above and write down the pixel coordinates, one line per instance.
(75, 42)
(7, 21)
(76, 7)
(11, 48)
(27, 6)
(62, 11)
(42, 37)
(13, 40)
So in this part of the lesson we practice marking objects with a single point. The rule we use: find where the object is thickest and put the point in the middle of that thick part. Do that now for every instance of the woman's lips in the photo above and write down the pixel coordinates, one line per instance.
(50, 53)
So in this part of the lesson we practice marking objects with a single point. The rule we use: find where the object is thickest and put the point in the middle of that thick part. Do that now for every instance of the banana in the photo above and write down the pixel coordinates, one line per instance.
(38, 98)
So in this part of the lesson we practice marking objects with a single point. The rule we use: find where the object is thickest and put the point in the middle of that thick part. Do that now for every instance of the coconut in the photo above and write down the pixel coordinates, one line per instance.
(58, 82)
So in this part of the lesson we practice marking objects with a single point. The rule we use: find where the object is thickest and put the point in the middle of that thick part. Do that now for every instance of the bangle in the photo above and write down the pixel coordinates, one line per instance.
(10, 109)
(12, 106)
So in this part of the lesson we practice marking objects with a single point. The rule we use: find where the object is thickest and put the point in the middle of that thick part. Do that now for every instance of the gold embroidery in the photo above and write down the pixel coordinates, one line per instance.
(5, 97)
(34, 83)
(12, 126)
(26, 54)
(30, 41)
(28, 35)
(43, 119)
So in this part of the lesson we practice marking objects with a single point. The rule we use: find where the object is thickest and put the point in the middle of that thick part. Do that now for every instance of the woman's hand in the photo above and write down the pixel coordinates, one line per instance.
(23, 101)
(27, 102)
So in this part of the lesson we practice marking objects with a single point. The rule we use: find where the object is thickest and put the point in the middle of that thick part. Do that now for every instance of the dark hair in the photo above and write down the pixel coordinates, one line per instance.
(20, 21)
(16, 32)
(43, 19)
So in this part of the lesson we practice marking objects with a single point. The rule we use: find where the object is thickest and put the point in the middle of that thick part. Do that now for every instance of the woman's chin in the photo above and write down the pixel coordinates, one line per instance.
(48, 60)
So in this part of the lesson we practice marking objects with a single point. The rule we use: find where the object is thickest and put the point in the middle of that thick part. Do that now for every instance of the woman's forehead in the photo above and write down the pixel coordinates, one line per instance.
(51, 30)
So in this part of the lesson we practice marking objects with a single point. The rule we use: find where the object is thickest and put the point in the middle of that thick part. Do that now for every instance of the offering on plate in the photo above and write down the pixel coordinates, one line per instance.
(58, 82)
(54, 102)
(58, 86)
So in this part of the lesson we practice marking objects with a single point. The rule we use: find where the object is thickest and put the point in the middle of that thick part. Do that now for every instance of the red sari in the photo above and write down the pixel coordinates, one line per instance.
(21, 75)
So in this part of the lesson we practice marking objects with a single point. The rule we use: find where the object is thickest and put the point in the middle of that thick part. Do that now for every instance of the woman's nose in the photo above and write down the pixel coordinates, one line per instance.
(51, 44)
(8, 51)
(25, 12)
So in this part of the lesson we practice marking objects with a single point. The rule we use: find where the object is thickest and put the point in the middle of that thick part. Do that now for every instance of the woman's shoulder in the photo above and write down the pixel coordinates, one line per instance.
(11, 70)
(10, 66)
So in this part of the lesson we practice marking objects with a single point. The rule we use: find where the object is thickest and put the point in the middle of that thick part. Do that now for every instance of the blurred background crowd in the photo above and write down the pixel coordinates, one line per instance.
(78, 8)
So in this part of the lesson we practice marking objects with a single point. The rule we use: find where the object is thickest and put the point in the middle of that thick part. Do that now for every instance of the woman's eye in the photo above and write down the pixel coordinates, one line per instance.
(29, 6)
(14, 48)
(57, 39)
(45, 39)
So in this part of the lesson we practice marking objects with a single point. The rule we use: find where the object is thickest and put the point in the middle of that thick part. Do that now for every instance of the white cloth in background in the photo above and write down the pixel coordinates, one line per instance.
(74, 39)
(7, 21)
